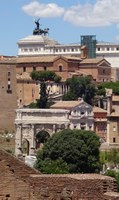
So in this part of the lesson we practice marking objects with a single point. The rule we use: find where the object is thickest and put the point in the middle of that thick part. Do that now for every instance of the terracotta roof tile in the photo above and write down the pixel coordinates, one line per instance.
(30, 59)
(66, 104)
(97, 109)
(91, 60)
(115, 98)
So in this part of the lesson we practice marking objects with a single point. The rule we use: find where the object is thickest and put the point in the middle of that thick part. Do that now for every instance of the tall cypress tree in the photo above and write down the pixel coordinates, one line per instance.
(42, 102)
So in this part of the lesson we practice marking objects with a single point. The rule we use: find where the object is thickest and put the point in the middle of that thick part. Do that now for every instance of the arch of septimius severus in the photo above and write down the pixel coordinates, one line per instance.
(29, 122)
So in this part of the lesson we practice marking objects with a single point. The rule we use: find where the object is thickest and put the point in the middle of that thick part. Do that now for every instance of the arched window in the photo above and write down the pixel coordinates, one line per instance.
(60, 68)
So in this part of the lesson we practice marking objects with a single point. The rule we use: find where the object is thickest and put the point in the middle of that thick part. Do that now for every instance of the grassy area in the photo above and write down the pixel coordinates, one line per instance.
(7, 143)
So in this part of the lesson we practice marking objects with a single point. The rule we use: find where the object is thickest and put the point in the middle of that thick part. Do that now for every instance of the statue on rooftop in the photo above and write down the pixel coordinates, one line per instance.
(38, 30)
(37, 23)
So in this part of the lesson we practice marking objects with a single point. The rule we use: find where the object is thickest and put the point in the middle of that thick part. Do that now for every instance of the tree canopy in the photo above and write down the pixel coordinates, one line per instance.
(80, 87)
(43, 77)
(78, 149)
(110, 85)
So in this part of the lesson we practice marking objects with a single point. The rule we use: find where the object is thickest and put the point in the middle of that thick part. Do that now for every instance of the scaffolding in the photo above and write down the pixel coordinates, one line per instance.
(90, 42)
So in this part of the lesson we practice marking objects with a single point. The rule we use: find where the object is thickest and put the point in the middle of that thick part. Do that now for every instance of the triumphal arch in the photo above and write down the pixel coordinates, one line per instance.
(29, 122)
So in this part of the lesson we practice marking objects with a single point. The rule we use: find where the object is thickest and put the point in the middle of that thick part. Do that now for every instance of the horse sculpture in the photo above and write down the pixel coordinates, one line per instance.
(39, 31)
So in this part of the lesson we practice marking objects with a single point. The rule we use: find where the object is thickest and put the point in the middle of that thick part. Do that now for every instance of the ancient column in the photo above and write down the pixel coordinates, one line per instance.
(108, 132)
(54, 128)
(32, 141)
(18, 140)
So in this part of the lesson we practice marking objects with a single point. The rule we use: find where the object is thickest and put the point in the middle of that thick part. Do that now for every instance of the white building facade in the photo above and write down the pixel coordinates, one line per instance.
(82, 117)
(35, 45)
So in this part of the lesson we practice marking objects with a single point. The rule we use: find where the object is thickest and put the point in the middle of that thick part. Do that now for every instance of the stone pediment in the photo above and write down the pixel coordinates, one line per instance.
(104, 63)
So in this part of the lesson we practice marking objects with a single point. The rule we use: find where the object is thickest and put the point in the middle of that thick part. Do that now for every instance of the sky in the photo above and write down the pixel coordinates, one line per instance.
(67, 20)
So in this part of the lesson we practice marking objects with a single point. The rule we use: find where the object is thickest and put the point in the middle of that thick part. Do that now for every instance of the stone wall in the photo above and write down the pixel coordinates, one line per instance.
(20, 182)
(14, 175)
(73, 186)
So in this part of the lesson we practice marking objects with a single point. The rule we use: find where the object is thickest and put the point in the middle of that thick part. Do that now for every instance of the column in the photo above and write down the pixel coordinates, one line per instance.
(66, 126)
(108, 132)
(87, 126)
(32, 141)
(18, 140)
(54, 128)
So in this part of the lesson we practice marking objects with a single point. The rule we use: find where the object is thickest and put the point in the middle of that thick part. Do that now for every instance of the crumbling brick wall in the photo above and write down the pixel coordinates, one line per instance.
(77, 186)
(20, 182)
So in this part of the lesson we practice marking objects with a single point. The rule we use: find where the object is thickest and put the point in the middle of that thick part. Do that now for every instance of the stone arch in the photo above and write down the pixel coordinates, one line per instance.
(41, 137)
(25, 147)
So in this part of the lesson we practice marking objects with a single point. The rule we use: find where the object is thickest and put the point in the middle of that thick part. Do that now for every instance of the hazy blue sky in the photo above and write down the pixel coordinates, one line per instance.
(66, 19)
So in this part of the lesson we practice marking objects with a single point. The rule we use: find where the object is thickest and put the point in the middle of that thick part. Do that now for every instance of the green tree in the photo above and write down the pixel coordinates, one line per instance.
(42, 102)
(114, 174)
(43, 77)
(80, 87)
(48, 166)
(78, 148)
(70, 95)
(42, 136)
(111, 157)
(110, 85)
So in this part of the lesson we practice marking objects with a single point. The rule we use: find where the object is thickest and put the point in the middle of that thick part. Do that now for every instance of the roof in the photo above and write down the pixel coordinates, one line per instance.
(33, 59)
(92, 60)
(66, 104)
(7, 60)
(100, 110)
(73, 58)
(37, 39)
(25, 76)
(115, 98)
(114, 114)
(80, 72)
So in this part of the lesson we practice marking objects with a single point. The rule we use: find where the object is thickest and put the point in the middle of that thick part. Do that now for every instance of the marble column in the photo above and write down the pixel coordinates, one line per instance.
(18, 140)
(108, 132)
(54, 128)
(32, 141)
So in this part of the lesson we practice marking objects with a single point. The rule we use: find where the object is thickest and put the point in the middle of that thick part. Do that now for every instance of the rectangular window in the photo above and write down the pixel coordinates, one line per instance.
(9, 73)
(9, 87)
(114, 139)
(45, 68)
(24, 69)
(34, 68)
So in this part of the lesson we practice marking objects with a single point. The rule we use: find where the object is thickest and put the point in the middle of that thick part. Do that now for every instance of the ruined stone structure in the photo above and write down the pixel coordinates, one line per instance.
(18, 182)
(30, 121)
